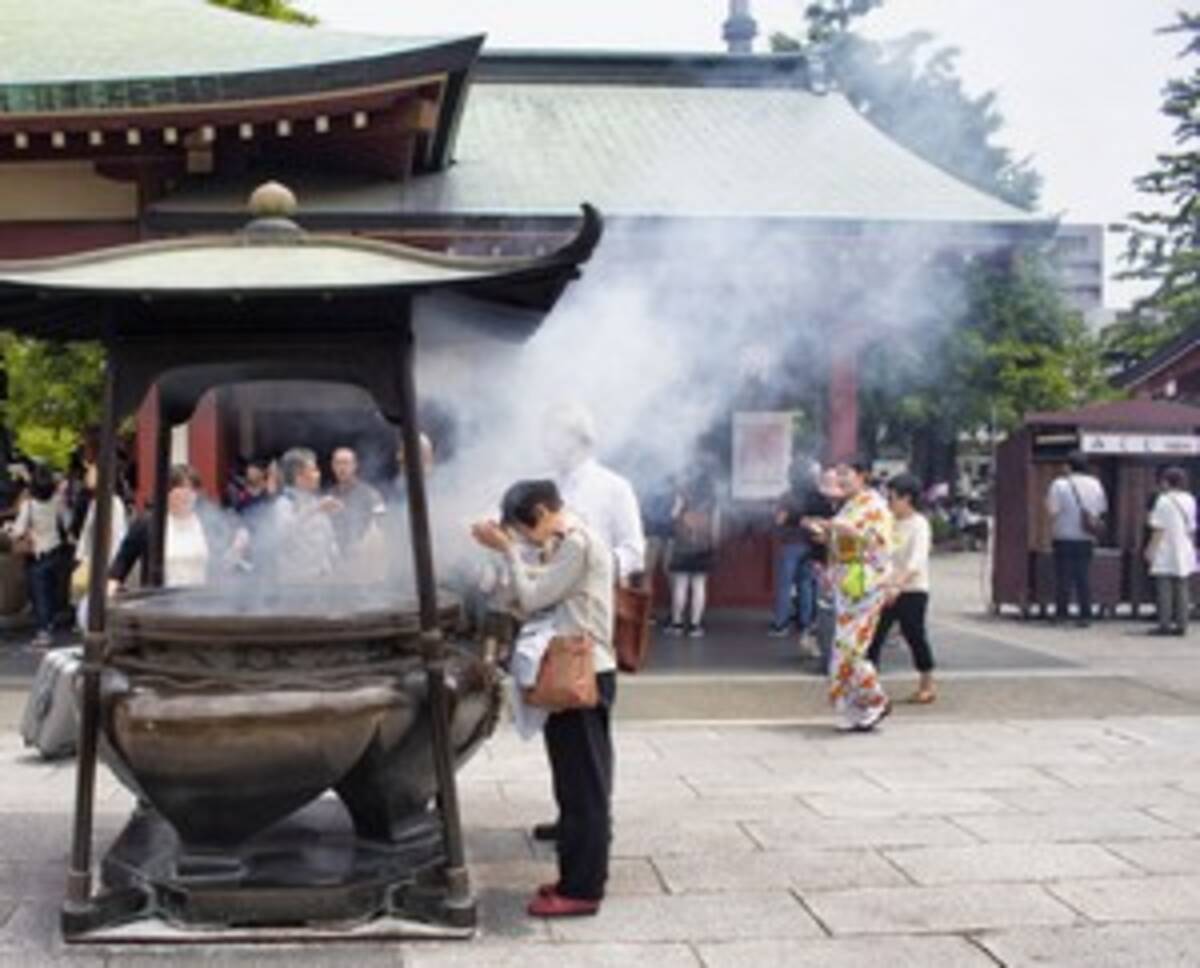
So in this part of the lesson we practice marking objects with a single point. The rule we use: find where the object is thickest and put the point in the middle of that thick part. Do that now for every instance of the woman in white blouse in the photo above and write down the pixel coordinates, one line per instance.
(195, 545)
(907, 586)
(40, 526)
(1171, 553)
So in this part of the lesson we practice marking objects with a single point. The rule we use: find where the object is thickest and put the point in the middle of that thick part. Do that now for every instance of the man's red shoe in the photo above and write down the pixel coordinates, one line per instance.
(554, 905)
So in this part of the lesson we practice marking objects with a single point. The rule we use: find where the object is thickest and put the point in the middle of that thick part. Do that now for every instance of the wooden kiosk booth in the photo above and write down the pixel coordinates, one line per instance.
(1127, 442)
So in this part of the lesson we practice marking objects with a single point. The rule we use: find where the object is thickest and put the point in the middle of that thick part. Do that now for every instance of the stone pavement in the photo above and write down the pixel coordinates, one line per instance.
(1044, 818)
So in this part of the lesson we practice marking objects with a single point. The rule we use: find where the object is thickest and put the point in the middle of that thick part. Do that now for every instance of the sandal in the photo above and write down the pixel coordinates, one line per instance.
(922, 697)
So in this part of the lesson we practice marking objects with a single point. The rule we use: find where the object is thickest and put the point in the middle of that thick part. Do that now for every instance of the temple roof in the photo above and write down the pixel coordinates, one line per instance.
(1123, 415)
(783, 152)
(112, 55)
(653, 135)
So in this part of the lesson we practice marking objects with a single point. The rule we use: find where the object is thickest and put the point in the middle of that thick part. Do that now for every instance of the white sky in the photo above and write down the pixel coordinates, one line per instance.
(1079, 81)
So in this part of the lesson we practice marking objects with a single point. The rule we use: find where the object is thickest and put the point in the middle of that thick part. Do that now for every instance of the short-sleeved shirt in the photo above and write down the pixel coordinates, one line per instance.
(912, 540)
(1069, 496)
(1174, 515)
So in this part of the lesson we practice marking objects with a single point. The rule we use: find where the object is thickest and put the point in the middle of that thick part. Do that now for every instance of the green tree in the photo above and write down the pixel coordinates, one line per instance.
(996, 342)
(986, 342)
(54, 394)
(280, 10)
(916, 96)
(1164, 242)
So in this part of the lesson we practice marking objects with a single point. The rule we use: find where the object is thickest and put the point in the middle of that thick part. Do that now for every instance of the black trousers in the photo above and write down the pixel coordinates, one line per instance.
(1072, 567)
(909, 610)
(579, 744)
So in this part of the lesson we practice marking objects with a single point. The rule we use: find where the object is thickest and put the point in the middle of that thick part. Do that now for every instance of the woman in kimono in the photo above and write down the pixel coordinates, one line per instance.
(859, 539)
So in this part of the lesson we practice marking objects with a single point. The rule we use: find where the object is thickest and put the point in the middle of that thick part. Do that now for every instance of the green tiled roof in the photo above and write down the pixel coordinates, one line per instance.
(664, 140)
(108, 55)
(691, 151)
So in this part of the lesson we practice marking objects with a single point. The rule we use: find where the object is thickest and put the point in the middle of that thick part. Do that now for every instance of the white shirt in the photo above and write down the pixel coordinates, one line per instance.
(41, 520)
(605, 502)
(186, 557)
(120, 524)
(910, 552)
(1174, 517)
(1066, 510)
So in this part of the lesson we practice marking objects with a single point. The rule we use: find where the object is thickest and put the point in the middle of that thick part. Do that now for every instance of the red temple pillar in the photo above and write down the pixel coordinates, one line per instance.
(206, 450)
(147, 434)
(206, 444)
(842, 413)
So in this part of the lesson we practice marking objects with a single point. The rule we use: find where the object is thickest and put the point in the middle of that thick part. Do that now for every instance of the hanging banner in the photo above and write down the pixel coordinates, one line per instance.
(762, 454)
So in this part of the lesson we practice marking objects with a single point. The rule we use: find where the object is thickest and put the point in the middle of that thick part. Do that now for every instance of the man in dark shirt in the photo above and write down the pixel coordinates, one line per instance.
(795, 553)
(360, 502)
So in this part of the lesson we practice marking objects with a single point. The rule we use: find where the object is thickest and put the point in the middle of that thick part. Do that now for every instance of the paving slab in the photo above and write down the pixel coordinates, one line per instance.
(1184, 816)
(1107, 798)
(800, 869)
(636, 875)
(670, 835)
(1160, 856)
(969, 778)
(1107, 946)
(801, 831)
(1077, 825)
(1131, 774)
(556, 955)
(1009, 862)
(489, 845)
(361, 955)
(44, 959)
(715, 809)
(909, 910)
(693, 918)
(1165, 898)
(896, 952)
(906, 803)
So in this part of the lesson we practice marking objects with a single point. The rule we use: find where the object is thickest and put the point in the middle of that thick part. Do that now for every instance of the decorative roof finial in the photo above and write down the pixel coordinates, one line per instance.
(740, 29)
(272, 200)
(272, 204)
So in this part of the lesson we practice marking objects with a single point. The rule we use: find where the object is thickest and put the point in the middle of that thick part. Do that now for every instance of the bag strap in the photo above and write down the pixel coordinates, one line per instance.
(1078, 500)
(587, 547)
(1181, 509)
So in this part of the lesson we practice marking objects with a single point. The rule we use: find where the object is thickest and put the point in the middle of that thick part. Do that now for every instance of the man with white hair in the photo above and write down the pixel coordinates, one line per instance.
(601, 497)
(302, 534)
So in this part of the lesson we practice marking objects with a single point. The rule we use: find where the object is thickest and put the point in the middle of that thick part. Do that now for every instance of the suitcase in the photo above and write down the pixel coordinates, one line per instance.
(50, 722)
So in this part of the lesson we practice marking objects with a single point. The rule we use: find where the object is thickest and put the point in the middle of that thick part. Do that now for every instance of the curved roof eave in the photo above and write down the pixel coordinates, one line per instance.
(64, 297)
(149, 54)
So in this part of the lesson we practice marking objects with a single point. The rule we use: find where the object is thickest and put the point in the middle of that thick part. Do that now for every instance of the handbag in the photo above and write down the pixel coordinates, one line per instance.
(854, 581)
(567, 676)
(631, 626)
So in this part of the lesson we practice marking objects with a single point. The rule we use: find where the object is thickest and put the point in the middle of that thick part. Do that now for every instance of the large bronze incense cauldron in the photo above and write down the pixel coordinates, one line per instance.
(227, 710)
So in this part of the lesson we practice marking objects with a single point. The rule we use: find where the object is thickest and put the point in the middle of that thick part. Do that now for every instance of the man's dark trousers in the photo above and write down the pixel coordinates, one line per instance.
(579, 743)
(1072, 567)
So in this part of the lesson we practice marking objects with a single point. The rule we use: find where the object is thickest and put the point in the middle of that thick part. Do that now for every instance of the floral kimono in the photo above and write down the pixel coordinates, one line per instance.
(860, 562)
